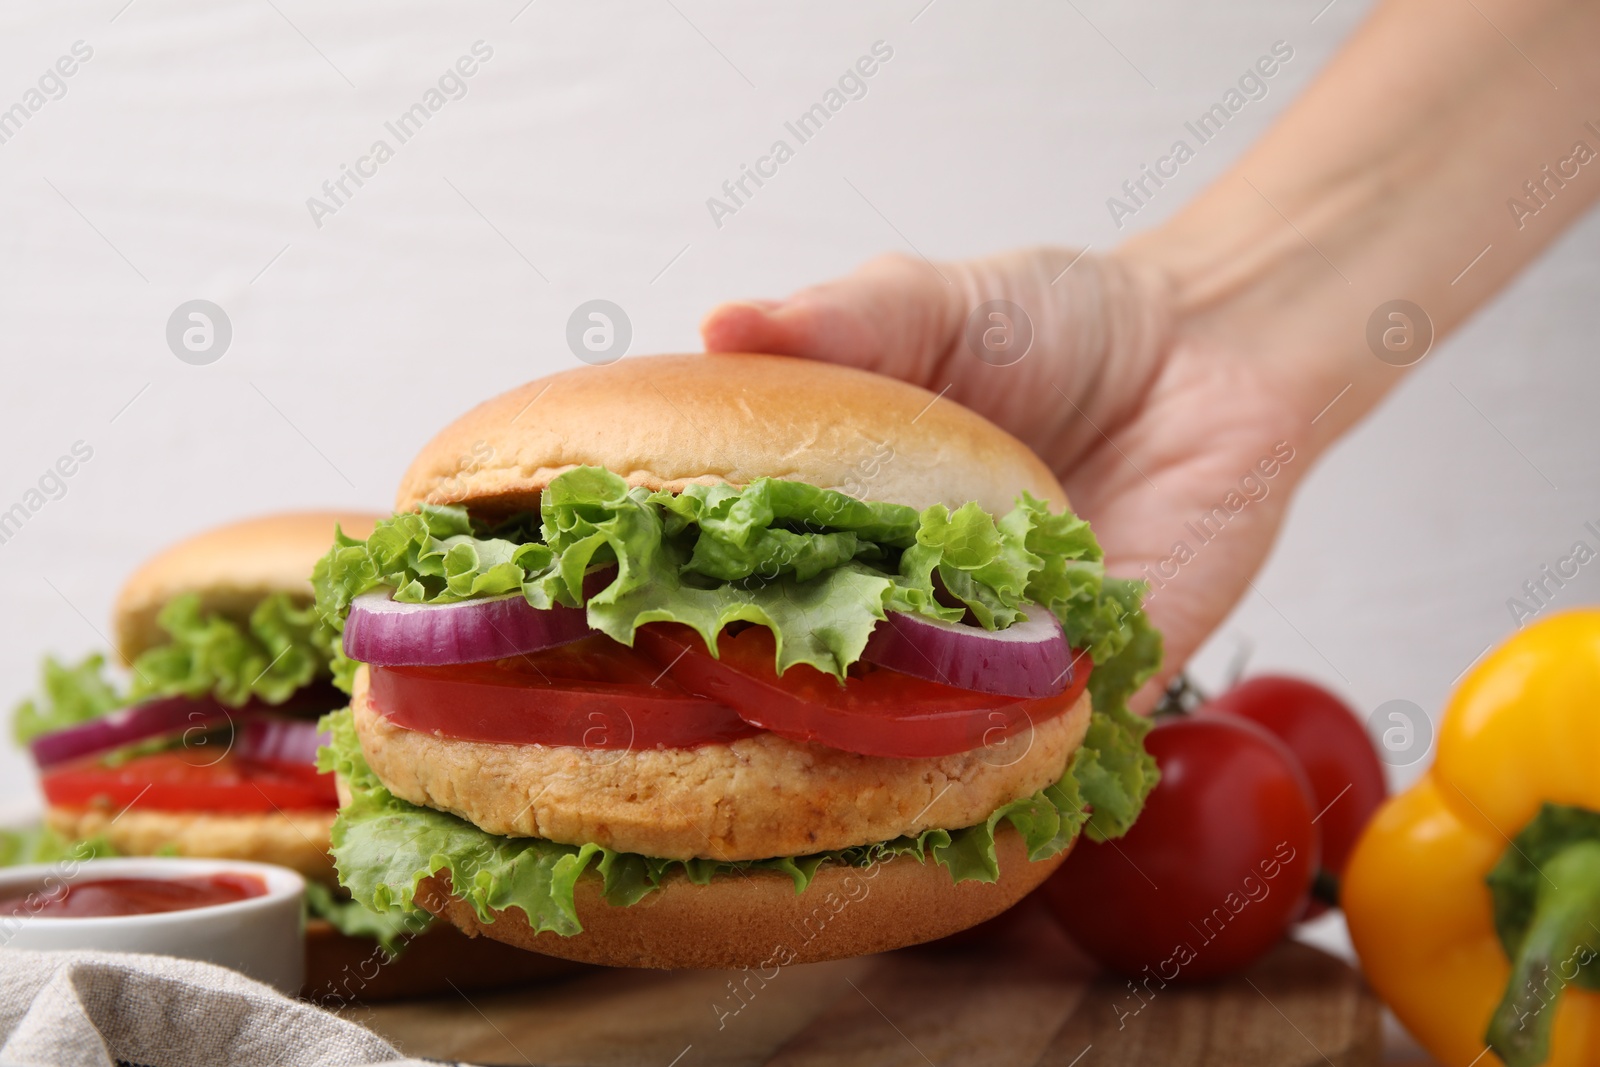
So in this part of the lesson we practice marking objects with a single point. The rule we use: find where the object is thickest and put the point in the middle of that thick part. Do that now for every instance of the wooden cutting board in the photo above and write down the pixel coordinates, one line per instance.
(1029, 1001)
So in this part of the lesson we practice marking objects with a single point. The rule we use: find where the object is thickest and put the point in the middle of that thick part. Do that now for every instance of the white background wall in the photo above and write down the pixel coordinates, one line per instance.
(179, 161)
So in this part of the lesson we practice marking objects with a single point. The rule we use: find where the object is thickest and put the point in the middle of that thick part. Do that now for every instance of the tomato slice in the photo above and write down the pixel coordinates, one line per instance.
(192, 780)
(593, 693)
(878, 712)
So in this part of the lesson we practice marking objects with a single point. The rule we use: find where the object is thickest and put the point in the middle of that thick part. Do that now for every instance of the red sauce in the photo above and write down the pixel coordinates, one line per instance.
(132, 896)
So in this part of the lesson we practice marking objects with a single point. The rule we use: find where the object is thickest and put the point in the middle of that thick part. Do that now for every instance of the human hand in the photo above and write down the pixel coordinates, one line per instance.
(1150, 424)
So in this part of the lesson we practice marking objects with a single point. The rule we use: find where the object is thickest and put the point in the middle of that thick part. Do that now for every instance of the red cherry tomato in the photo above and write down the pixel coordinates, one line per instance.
(879, 712)
(192, 781)
(593, 693)
(1332, 747)
(1216, 868)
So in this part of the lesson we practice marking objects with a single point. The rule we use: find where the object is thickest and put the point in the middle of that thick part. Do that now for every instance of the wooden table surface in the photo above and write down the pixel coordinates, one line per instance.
(1029, 1002)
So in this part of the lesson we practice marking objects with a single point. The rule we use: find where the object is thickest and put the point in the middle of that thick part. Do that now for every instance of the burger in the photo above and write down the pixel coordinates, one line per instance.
(209, 749)
(726, 661)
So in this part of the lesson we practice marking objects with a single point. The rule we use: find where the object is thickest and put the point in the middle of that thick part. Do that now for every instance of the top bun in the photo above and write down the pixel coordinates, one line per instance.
(664, 422)
(232, 567)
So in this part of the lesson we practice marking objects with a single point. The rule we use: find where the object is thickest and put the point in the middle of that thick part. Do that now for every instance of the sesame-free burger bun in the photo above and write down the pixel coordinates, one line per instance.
(232, 567)
(758, 921)
(666, 421)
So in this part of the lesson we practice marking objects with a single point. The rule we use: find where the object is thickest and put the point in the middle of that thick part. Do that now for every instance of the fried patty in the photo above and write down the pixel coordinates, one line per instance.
(755, 798)
(297, 839)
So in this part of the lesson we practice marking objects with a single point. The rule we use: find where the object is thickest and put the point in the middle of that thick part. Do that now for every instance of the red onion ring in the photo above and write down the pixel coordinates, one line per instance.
(274, 740)
(167, 715)
(1029, 659)
(390, 633)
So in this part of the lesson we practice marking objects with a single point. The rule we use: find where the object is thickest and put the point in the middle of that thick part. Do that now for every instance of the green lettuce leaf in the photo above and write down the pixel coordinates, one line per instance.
(817, 567)
(1113, 768)
(391, 929)
(40, 844)
(269, 656)
(385, 846)
(69, 695)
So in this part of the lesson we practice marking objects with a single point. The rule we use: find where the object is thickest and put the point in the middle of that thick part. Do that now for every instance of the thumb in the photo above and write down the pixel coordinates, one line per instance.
(896, 315)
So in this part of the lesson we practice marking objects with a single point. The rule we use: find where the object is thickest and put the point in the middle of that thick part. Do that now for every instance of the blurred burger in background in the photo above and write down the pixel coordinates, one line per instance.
(206, 746)
(209, 747)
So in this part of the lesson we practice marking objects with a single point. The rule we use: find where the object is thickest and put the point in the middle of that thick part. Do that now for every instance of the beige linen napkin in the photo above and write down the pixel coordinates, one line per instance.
(104, 1009)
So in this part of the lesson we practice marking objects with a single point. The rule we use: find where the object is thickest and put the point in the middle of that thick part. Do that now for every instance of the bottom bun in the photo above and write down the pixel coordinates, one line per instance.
(296, 839)
(757, 920)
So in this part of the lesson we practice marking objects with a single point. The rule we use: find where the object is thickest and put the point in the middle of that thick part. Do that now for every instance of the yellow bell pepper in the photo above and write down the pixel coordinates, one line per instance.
(1520, 737)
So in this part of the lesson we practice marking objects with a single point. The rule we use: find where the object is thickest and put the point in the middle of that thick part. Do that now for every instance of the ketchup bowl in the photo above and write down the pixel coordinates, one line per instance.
(247, 916)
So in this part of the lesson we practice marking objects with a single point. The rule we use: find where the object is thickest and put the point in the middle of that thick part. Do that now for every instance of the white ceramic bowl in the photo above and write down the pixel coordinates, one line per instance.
(264, 936)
